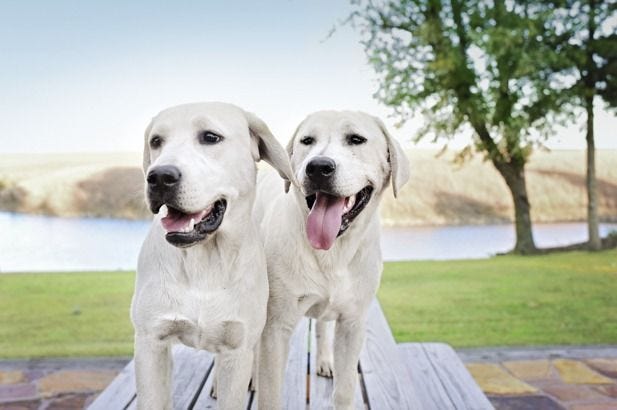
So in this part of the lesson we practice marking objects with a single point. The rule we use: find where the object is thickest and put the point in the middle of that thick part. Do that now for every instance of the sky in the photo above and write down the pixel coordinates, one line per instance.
(80, 76)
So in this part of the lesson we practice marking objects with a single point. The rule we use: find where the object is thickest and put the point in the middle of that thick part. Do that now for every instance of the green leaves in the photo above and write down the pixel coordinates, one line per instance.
(507, 69)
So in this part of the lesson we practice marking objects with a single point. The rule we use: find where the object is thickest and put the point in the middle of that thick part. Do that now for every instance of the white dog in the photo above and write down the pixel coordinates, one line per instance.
(322, 243)
(201, 276)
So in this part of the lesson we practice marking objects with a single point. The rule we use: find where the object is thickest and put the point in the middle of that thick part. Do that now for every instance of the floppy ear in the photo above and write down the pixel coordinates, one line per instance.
(265, 146)
(146, 153)
(399, 164)
(290, 151)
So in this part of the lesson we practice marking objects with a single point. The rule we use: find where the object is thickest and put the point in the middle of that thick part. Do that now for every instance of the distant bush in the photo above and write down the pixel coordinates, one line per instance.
(115, 192)
(12, 197)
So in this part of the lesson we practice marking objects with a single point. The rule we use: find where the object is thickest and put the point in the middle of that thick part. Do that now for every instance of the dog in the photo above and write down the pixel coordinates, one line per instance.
(322, 244)
(201, 275)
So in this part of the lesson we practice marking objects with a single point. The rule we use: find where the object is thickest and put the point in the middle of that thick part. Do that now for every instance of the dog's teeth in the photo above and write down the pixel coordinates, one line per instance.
(164, 211)
(191, 224)
(350, 203)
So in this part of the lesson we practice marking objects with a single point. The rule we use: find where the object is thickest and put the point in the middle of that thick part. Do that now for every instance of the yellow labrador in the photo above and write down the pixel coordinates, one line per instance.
(201, 276)
(322, 243)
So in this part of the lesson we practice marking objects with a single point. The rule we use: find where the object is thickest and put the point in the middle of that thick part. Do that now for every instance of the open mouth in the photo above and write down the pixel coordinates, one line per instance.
(186, 229)
(330, 215)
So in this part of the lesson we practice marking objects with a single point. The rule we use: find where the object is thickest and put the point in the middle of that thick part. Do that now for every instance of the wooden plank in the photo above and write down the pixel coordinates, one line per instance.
(429, 389)
(322, 388)
(296, 378)
(295, 384)
(205, 401)
(387, 383)
(458, 383)
(191, 367)
(119, 393)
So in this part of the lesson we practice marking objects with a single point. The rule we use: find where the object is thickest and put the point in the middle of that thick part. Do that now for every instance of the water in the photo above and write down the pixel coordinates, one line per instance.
(39, 243)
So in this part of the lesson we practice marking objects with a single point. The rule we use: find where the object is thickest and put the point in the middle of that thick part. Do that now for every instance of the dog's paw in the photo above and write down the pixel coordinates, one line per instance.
(324, 368)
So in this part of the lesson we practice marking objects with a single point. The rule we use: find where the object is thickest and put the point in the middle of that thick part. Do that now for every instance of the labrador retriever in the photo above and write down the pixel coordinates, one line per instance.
(201, 276)
(322, 244)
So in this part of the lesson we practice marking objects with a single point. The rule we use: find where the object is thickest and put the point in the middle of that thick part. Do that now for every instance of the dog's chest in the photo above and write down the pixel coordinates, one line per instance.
(202, 320)
(332, 297)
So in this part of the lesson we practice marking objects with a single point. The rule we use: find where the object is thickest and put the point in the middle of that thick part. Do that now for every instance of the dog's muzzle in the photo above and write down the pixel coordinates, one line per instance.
(163, 182)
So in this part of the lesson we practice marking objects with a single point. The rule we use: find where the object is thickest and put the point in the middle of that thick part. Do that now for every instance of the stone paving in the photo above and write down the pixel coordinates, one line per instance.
(555, 379)
(55, 384)
(513, 379)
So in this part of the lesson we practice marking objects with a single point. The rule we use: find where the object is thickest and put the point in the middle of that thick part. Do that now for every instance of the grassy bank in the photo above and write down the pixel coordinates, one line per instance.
(553, 299)
(509, 300)
(438, 193)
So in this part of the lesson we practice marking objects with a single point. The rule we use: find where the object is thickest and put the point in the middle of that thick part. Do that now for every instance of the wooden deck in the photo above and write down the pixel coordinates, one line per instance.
(390, 376)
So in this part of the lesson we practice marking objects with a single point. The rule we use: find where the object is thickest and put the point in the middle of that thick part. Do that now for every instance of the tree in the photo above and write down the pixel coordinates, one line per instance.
(468, 66)
(589, 42)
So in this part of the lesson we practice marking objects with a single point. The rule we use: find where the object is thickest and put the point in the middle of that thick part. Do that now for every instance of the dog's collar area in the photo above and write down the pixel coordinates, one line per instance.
(209, 223)
(361, 200)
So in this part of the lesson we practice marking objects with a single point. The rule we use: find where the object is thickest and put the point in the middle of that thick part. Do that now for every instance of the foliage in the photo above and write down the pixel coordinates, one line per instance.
(473, 65)
(586, 40)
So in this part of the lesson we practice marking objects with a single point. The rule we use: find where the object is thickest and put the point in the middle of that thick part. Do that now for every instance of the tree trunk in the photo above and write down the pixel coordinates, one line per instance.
(590, 84)
(515, 179)
(592, 189)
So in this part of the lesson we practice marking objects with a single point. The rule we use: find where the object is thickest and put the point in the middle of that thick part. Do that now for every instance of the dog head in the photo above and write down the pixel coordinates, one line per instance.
(199, 163)
(342, 160)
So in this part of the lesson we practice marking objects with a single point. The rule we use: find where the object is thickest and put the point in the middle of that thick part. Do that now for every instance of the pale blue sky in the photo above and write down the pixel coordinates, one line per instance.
(88, 76)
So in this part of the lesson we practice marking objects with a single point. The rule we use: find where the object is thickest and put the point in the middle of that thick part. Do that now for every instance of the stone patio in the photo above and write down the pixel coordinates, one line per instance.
(581, 378)
(54, 384)
(547, 379)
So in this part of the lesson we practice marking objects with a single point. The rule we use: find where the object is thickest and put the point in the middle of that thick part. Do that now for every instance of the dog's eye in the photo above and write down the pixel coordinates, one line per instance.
(156, 142)
(355, 139)
(307, 140)
(209, 138)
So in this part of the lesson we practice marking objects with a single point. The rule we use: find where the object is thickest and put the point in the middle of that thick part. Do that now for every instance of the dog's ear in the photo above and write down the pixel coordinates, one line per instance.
(146, 154)
(265, 146)
(290, 151)
(399, 164)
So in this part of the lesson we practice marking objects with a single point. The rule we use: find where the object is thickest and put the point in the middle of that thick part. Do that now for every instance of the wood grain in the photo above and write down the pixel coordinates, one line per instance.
(322, 388)
(387, 382)
(460, 386)
(119, 393)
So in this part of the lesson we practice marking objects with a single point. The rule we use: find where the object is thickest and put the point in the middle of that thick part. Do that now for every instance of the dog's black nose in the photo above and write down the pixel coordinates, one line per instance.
(163, 177)
(320, 169)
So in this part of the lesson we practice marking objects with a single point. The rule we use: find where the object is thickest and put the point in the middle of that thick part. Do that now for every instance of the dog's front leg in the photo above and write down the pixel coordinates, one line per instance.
(323, 335)
(153, 367)
(233, 375)
(348, 340)
(274, 348)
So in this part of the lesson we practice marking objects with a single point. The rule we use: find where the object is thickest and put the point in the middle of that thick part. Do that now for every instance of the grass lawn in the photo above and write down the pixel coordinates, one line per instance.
(509, 300)
(65, 314)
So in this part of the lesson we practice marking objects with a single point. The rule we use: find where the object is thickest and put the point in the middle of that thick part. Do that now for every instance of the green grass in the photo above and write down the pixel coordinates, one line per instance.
(65, 314)
(509, 300)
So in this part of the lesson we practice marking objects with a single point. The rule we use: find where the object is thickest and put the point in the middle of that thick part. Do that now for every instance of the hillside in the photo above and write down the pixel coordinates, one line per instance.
(439, 192)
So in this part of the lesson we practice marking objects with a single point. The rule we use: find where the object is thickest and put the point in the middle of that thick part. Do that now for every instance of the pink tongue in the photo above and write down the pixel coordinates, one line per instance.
(176, 221)
(324, 220)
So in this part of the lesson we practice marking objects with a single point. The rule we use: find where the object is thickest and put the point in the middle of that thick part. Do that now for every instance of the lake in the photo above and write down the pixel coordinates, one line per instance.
(40, 243)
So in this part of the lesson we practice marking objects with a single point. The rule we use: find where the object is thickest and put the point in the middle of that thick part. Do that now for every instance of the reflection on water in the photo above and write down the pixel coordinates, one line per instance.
(38, 243)
(474, 241)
